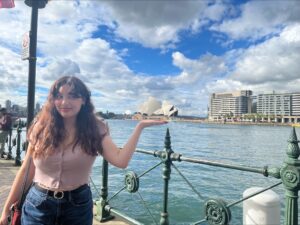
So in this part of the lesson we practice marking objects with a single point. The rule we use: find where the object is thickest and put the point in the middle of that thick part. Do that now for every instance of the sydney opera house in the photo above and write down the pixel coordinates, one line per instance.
(153, 107)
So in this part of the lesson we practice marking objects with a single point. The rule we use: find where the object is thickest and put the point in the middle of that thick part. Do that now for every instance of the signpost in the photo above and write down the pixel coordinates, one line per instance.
(35, 5)
(25, 46)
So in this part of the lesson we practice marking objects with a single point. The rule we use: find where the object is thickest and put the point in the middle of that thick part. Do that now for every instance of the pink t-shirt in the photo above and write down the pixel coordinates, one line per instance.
(66, 169)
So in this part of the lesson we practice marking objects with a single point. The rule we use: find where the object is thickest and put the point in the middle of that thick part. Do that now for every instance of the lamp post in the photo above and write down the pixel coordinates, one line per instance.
(35, 5)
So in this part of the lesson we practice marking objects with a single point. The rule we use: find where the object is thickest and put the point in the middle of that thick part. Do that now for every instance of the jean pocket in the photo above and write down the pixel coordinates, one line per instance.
(82, 198)
(35, 198)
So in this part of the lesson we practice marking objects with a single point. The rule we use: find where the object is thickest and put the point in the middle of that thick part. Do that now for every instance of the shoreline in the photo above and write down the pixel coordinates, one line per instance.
(235, 123)
(206, 121)
(250, 123)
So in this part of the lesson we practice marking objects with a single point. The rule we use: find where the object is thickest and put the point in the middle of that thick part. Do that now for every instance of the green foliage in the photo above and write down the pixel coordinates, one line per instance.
(107, 115)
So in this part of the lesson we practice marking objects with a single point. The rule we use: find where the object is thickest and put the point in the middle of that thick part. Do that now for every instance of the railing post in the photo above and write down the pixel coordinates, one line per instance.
(102, 215)
(166, 157)
(290, 175)
(18, 151)
(9, 155)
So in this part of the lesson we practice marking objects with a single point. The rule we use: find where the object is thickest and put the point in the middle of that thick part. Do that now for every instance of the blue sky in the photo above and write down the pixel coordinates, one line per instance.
(179, 52)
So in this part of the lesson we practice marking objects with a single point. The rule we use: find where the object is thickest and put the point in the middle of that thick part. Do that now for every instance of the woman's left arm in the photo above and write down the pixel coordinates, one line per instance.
(121, 157)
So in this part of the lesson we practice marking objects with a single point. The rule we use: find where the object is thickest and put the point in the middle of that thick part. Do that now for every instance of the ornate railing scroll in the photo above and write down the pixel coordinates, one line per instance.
(217, 211)
(290, 175)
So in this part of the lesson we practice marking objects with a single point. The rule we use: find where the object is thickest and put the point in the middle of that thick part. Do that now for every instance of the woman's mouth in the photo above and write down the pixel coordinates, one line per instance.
(65, 109)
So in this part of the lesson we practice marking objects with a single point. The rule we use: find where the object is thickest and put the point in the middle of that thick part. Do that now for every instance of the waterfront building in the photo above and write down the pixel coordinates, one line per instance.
(253, 104)
(230, 104)
(155, 107)
(296, 104)
(150, 106)
(286, 104)
(167, 109)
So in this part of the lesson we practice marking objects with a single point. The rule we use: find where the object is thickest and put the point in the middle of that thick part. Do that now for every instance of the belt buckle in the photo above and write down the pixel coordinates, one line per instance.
(58, 194)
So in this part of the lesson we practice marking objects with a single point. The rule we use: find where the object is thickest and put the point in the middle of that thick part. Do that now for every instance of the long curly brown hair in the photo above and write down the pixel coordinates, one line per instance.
(47, 131)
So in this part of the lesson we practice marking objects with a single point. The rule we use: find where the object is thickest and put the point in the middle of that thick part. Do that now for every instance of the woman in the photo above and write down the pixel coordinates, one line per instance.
(64, 141)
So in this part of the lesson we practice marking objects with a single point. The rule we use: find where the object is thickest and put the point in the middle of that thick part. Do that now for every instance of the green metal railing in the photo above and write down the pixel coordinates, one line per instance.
(16, 142)
(217, 211)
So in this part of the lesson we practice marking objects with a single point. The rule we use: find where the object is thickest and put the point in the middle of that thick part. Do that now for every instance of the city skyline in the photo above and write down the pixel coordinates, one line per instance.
(152, 101)
(128, 51)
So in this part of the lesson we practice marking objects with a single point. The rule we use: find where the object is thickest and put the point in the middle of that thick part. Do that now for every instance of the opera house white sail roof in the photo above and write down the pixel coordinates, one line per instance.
(155, 107)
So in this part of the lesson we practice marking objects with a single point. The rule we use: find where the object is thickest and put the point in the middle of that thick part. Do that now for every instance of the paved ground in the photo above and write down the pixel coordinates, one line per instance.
(7, 173)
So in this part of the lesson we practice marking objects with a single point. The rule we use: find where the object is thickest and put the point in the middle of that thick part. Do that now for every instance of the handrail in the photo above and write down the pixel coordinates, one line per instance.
(274, 172)
(289, 173)
(179, 157)
(12, 142)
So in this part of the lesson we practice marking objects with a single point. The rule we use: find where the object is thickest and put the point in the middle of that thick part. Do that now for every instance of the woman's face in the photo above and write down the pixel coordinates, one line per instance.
(67, 102)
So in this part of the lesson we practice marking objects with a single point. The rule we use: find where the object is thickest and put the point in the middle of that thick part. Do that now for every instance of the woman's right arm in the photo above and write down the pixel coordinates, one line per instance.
(15, 191)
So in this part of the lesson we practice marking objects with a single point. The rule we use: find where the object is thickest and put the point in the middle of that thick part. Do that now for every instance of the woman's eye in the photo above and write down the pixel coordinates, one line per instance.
(58, 97)
(73, 96)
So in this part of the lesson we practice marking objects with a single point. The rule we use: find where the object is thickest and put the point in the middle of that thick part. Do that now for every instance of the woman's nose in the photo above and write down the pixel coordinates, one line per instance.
(65, 100)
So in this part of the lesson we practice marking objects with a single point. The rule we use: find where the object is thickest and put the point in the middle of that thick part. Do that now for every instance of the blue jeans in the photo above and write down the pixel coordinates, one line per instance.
(74, 209)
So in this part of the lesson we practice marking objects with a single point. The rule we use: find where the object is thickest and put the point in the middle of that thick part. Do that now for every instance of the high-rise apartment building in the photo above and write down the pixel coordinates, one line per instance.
(37, 108)
(296, 104)
(287, 104)
(8, 105)
(230, 103)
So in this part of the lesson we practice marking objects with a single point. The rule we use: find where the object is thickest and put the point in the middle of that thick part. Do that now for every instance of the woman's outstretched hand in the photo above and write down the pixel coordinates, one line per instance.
(121, 158)
(149, 123)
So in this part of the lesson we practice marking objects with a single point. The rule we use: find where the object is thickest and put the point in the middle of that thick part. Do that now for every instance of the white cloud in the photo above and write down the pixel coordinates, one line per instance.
(195, 70)
(60, 67)
(157, 24)
(13, 73)
(96, 55)
(276, 60)
(225, 85)
(271, 65)
(215, 11)
(259, 19)
(124, 93)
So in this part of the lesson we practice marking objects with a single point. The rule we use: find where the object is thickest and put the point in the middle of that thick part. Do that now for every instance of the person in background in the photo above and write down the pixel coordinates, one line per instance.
(5, 127)
(64, 141)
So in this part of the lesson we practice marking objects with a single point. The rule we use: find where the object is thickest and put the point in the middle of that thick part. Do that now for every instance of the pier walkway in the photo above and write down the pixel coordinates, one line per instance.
(7, 174)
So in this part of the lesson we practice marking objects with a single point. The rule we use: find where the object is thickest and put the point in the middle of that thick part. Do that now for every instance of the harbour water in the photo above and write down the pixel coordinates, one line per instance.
(248, 145)
(253, 146)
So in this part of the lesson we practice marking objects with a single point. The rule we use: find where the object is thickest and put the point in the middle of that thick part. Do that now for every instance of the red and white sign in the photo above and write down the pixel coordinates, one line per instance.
(7, 4)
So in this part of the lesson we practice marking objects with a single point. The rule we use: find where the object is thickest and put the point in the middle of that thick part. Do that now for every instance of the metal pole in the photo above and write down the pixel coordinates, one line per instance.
(9, 156)
(35, 5)
(32, 62)
(164, 216)
(102, 215)
(18, 151)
